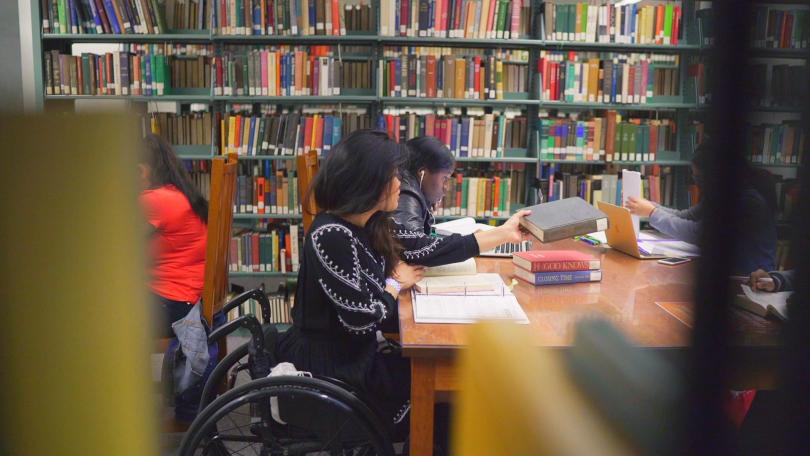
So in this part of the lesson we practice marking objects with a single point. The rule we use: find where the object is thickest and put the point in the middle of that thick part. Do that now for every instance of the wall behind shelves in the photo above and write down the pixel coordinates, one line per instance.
(10, 55)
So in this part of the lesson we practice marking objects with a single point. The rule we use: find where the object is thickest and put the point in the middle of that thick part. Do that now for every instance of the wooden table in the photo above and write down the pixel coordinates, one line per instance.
(647, 300)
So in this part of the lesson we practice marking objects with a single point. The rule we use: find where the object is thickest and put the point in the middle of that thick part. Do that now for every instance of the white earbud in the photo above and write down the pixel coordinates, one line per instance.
(421, 177)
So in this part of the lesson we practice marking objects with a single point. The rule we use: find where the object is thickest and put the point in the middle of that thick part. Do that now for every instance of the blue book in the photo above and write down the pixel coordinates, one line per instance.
(563, 131)
(398, 78)
(96, 17)
(337, 130)
(613, 81)
(251, 132)
(327, 134)
(257, 18)
(312, 19)
(454, 138)
(558, 278)
(464, 139)
(113, 19)
(618, 201)
(633, 24)
(381, 125)
(581, 140)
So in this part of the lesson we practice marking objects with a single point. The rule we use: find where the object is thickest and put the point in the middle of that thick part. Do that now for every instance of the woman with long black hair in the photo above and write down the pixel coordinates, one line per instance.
(177, 214)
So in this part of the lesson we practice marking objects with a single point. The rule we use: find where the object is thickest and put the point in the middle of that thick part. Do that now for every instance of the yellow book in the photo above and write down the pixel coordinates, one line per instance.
(578, 23)
(245, 135)
(232, 135)
(223, 146)
(499, 79)
(480, 209)
(461, 77)
(482, 26)
(275, 251)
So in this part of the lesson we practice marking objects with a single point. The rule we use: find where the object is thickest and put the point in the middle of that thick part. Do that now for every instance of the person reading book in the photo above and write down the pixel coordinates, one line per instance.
(177, 214)
(426, 170)
(758, 202)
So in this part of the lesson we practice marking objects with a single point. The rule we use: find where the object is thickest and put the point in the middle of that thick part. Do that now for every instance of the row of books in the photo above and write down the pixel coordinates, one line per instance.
(554, 267)
(777, 85)
(483, 75)
(485, 194)
(607, 78)
(280, 308)
(288, 71)
(474, 135)
(139, 70)
(111, 16)
(777, 143)
(651, 22)
(273, 251)
(657, 186)
(778, 27)
(290, 133)
(481, 19)
(293, 17)
(262, 192)
(190, 128)
(605, 138)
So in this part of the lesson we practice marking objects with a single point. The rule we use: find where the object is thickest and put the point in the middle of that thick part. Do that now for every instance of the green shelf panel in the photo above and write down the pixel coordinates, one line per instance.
(497, 159)
(139, 98)
(195, 152)
(269, 39)
(311, 99)
(196, 36)
(455, 102)
(633, 47)
(618, 162)
(617, 106)
(266, 216)
(776, 165)
(262, 274)
(458, 42)
(266, 157)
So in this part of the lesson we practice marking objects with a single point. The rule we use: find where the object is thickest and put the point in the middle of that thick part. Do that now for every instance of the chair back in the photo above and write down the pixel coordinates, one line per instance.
(307, 165)
(220, 221)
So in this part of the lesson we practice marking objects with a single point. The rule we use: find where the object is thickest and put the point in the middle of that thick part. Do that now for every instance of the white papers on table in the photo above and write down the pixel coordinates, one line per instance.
(453, 269)
(465, 299)
(670, 248)
(466, 309)
(462, 226)
(600, 236)
(631, 186)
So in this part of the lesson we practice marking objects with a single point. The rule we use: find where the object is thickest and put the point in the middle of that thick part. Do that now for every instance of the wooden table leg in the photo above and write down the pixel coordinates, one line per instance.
(423, 397)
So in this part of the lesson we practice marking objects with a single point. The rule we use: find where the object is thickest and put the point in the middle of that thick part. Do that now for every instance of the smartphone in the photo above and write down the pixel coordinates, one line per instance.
(673, 261)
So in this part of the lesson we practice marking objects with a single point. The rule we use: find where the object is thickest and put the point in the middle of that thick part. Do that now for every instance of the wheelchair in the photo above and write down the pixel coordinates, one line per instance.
(245, 412)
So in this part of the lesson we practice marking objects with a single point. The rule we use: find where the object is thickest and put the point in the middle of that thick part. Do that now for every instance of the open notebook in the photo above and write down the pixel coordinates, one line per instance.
(763, 303)
(465, 299)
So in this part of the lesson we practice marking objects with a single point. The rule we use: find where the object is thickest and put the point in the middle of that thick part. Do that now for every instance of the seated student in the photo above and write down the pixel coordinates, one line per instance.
(758, 246)
(780, 280)
(177, 214)
(425, 173)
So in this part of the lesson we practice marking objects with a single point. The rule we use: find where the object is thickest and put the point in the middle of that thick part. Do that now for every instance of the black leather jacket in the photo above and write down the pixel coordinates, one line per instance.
(413, 212)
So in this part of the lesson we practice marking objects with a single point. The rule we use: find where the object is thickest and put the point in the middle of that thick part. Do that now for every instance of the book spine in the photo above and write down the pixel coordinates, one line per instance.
(557, 278)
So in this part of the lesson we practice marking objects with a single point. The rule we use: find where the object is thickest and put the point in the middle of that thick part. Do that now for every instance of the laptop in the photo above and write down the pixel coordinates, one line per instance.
(508, 249)
(620, 233)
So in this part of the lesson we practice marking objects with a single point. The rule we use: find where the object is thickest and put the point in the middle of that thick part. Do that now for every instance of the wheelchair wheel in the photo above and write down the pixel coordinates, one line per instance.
(287, 416)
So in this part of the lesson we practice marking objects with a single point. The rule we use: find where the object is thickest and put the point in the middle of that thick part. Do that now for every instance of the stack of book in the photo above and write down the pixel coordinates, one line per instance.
(293, 17)
(487, 194)
(782, 143)
(482, 19)
(781, 27)
(189, 128)
(273, 251)
(280, 307)
(553, 267)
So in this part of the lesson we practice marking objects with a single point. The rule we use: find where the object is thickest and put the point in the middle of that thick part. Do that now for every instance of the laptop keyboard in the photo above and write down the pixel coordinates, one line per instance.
(506, 250)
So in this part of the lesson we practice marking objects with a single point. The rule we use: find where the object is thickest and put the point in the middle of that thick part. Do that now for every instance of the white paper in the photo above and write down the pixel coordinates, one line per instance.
(631, 186)
(775, 301)
(466, 309)
(453, 269)
(462, 226)
(471, 284)
(669, 248)
(600, 236)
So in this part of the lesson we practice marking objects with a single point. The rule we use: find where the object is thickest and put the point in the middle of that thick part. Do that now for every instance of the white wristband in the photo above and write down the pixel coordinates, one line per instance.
(393, 282)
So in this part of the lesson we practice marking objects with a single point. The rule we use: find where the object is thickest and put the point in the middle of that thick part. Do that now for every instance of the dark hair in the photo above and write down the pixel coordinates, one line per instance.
(353, 178)
(758, 179)
(430, 153)
(167, 169)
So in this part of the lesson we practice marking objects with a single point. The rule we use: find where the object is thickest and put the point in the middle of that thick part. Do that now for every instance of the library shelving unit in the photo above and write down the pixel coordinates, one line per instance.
(679, 108)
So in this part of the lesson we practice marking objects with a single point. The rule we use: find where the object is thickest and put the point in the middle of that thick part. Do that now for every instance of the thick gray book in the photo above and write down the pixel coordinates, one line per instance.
(563, 219)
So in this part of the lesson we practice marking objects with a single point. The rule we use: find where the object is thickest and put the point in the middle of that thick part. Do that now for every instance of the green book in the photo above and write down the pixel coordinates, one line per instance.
(63, 22)
(501, 135)
(502, 11)
(86, 88)
(583, 24)
(572, 22)
(160, 27)
(668, 18)
(618, 142)
(632, 135)
(465, 192)
(560, 21)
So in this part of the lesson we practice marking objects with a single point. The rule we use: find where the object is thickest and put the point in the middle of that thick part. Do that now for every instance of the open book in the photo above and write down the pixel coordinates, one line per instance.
(465, 299)
(763, 302)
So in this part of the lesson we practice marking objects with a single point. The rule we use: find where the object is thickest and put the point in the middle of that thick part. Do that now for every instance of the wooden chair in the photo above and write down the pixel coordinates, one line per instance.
(307, 165)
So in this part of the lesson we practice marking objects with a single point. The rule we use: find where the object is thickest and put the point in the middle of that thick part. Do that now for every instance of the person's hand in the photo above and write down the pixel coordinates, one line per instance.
(756, 284)
(407, 275)
(511, 230)
(639, 206)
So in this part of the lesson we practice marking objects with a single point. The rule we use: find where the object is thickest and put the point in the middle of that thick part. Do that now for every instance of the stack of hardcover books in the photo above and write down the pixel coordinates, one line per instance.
(552, 267)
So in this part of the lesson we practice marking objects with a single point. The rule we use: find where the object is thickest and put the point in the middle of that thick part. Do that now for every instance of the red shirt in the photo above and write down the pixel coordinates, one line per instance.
(177, 247)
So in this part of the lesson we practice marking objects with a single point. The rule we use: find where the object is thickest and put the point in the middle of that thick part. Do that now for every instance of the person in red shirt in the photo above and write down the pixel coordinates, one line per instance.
(177, 214)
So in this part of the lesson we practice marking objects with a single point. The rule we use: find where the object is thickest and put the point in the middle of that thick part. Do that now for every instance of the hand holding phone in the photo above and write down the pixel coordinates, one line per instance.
(673, 261)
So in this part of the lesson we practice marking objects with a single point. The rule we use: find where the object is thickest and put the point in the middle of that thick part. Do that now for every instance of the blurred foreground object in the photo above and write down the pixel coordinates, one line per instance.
(604, 397)
(76, 335)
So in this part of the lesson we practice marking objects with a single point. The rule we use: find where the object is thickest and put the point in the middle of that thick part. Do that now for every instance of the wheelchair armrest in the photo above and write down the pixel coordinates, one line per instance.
(245, 321)
(257, 294)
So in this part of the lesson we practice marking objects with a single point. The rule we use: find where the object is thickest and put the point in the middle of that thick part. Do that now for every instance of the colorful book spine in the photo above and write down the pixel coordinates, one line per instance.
(558, 278)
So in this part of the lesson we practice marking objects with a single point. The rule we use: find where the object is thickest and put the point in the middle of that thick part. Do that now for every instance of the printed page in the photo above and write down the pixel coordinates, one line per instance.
(466, 309)
(775, 301)
(631, 186)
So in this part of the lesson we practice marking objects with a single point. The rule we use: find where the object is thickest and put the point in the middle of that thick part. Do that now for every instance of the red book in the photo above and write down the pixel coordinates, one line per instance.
(477, 77)
(254, 244)
(336, 17)
(260, 195)
(431, 76)
(555, 261)
(676, 25)
(307, 133)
